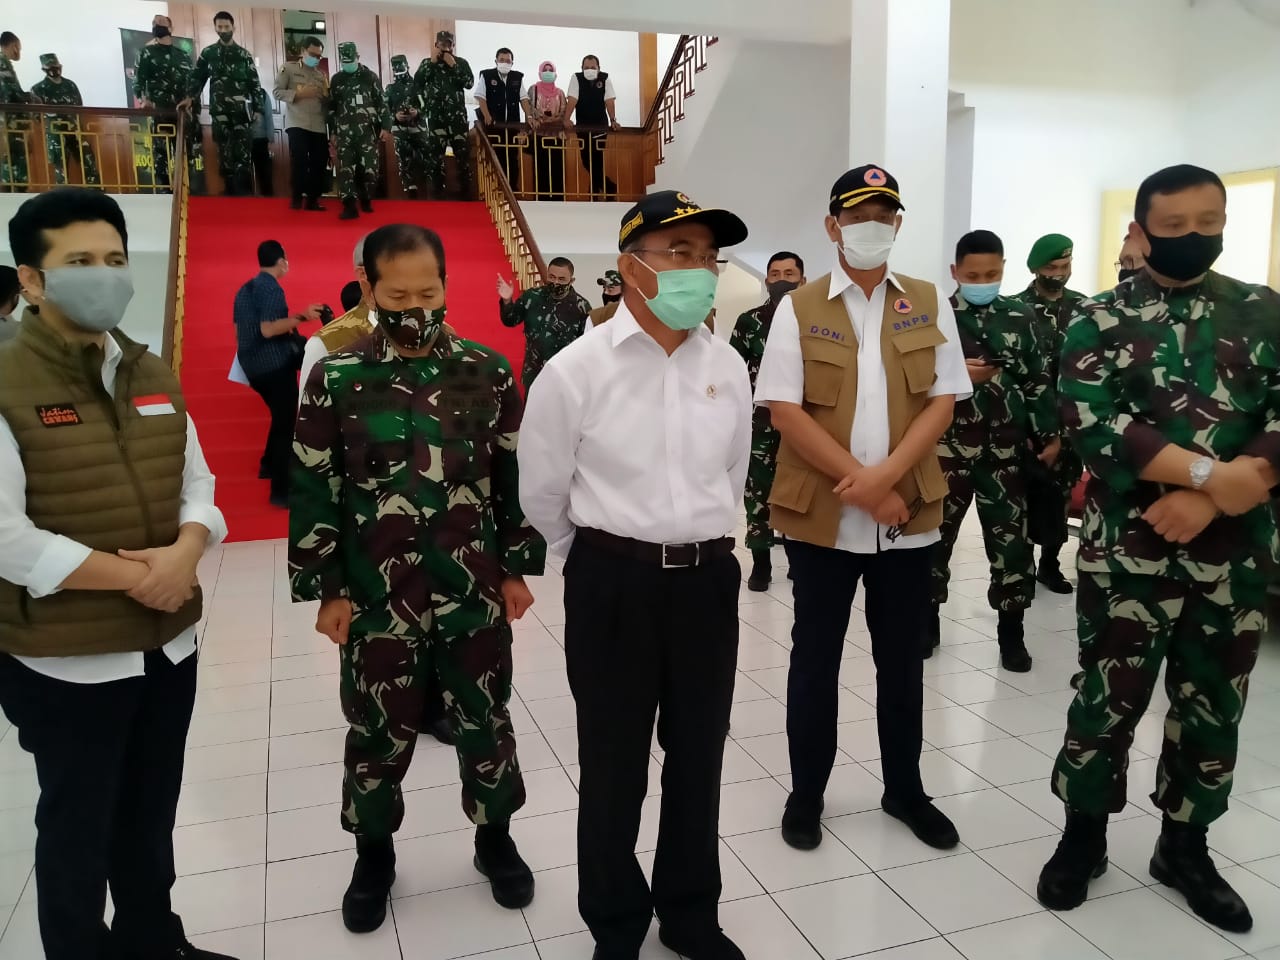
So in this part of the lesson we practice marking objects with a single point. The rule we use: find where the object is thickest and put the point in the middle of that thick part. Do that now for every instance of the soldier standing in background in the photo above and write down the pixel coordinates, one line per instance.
(162, 81)
(408, 126)
(358, 117)
(13, 152)
(444, 81)
(62, 133)
(232, 96)
(1170, 390)
(784, 273)
(417, 548)
(1049, 487)
(553, 316)
(611, 297)
(984, 451)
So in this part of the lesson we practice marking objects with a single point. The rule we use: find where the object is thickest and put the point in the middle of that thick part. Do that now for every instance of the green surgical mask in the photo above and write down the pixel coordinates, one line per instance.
(685, 297)
(350, 67)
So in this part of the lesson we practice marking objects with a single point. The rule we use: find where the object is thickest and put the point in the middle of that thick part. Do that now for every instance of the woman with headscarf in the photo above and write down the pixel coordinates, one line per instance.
(545, 106)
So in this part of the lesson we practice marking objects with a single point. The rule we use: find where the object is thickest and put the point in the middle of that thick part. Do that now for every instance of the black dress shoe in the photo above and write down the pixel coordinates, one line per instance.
(600, 953)
(802, 823)
(364, 905)
(315, 204)
(1181, 860)
(510, 878)
(709, 944)
(1051, 576)
(761, 572)
(1081, 856)
(927, 822)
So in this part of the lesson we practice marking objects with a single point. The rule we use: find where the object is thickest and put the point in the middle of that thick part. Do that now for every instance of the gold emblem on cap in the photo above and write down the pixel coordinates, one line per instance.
(683, 199)
(636, 221)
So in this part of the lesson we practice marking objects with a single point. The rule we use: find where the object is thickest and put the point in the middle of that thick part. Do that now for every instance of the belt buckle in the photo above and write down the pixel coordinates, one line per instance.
(668, 565)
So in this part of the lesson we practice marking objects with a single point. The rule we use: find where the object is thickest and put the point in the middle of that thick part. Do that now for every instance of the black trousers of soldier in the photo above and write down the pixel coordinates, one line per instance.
(592, 151)
(824, 583)
(109, 759)
(642, 641)
(308, 160)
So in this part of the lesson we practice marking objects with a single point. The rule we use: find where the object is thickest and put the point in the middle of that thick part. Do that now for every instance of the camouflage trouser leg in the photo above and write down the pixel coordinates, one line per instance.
(1207, 634)
(234, 143)
(357, 152)
(14, 168)
(462, 154)
(998, 485)
(437, 143)
(760, 471)
(58, 143)
(411, 158)
(383, 680)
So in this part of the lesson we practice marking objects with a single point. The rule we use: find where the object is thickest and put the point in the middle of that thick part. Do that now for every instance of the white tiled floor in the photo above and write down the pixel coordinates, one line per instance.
(263, 862)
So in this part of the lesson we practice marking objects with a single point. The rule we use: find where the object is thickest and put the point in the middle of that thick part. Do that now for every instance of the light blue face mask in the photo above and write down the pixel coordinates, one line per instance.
(350, 67)
(310, 61)
(685, 297)
(979, 294)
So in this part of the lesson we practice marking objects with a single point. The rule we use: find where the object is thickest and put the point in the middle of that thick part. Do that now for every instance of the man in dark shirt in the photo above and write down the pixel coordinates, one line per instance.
(270, 352)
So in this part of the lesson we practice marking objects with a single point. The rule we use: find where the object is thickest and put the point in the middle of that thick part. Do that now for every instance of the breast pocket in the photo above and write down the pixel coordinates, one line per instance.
(383, 463)
(826, 367)
(917, 351)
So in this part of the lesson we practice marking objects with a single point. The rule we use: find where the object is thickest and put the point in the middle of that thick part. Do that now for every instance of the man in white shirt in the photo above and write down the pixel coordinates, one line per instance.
(860, 374)
(633, 458)
(593, 104)
(353, 325)
(106, 507)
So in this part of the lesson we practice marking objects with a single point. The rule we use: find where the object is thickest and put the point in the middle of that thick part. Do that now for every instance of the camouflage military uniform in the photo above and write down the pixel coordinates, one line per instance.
(15, 149)
(412, 146)
(232, 94)
(444, 90)
(405, 501)
(984, 451)
(162, 75)
(550, 325)
(357, 115)
(1198, 367)
(61, 133)
(749, 336)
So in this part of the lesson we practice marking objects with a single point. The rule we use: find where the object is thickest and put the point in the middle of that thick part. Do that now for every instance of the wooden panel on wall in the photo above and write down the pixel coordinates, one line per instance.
(649, 78)
(362, 30)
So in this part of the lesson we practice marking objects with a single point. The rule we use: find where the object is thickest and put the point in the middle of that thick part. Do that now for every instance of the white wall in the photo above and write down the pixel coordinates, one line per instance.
(85, 34)
(148, 220)
(744, 145)
(619, 54)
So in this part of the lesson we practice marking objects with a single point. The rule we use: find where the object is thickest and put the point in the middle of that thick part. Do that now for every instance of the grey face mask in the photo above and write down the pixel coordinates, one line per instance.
(93, 298)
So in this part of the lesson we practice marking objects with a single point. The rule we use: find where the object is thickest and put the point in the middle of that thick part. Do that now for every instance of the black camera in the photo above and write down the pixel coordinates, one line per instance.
(326, 313)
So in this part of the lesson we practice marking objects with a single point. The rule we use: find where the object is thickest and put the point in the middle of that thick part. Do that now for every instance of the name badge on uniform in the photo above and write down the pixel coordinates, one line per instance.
(359, 100)
(154, 405)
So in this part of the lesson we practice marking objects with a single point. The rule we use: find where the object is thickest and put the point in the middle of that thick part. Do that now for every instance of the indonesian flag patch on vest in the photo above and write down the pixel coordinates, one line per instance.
(154, 405)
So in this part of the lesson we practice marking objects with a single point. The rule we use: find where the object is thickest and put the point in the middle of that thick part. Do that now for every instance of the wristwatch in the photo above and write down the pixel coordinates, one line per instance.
(1201, 471)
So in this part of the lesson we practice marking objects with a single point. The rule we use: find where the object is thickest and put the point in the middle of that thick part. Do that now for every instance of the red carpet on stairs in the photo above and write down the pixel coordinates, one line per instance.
(222, 240)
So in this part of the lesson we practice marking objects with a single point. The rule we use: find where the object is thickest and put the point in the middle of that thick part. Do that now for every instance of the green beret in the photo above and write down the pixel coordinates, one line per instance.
(347, 52)
(1051, 247)
(49, 60)
(611, 278)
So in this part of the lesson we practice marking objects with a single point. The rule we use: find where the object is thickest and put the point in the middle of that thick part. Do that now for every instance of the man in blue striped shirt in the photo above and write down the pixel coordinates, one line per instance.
(270, 352)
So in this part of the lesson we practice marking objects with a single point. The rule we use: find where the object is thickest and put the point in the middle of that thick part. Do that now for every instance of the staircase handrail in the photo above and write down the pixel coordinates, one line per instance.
(526, 259)
(175, 292)
(688, 60)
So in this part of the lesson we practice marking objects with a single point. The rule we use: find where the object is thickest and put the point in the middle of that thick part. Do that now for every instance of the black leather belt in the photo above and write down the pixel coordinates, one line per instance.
(668, 556)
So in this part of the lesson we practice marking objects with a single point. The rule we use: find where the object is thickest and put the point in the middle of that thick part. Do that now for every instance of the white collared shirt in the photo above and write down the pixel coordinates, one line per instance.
(782, 379)
(618, 436)
(41, 561)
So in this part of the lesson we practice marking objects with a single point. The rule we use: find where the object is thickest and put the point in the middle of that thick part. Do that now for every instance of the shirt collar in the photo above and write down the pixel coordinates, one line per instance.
(624, 326)
(840, 281)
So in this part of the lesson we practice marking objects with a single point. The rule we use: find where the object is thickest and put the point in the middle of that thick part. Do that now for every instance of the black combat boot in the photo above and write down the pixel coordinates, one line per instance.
(1050, 574)
(412, 193)
(931, 639)
(366, 204)
(761, 571)
(349, 211)
(364, 905)
(1182, 861)
(510, 878)
(1013, 650)
(1081, 856)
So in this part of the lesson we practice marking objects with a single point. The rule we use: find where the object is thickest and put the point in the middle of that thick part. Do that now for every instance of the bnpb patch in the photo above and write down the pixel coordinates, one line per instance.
(902, 305)
(874, 177)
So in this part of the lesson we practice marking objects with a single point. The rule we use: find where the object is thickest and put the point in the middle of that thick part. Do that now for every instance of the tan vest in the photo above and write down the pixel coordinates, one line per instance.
(97, 471)
(802, 504)
(347, 329)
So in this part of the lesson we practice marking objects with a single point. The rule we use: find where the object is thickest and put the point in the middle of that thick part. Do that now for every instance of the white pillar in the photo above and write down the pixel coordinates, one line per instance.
(898, 85)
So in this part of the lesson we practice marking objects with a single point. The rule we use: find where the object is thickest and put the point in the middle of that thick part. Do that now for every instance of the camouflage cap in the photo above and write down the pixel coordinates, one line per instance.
(49, 60)
(611, 278)
(444, 36)
(347, 52)
(1051, 247)
(399, 63)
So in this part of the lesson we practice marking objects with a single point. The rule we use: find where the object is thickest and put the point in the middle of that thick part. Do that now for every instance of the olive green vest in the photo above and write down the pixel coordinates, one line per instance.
(802, 503)
(105, 473)
(347, 329)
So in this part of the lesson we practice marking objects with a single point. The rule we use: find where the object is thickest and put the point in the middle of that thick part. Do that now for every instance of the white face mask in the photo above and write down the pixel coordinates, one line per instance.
(504, 68)
(590, 74)
(867, 245)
